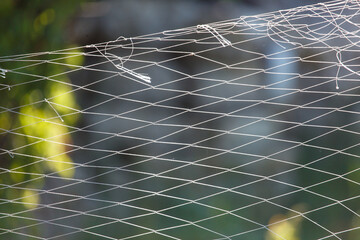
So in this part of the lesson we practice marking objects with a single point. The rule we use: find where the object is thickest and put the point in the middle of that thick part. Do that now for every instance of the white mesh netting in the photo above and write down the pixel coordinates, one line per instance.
(242, 129)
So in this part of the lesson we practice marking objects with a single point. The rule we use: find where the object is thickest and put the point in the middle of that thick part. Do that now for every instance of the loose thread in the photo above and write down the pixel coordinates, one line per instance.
(6, 85)
(3, 75)
(135, 74)
(270, 26)
(339, 58)
(54, 109)
(3, 72)
(224, 42)
(337, 77)
(120, 65)
(10, 154)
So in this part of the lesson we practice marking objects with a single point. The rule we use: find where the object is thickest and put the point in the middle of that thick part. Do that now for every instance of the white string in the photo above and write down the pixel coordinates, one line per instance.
(2, 73)
(47, 101)
(120, 66)
(216, 34)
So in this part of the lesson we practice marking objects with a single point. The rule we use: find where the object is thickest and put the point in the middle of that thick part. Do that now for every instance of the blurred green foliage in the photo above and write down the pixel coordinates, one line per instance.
(34, 26)
(28, 27)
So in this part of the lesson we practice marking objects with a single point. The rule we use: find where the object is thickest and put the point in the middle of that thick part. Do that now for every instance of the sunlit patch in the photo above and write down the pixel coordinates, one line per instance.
(49, 138)
(64, 102)
(286, 226)
(30, 198)
(62, 165)
(282, 229)
(75, 58)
